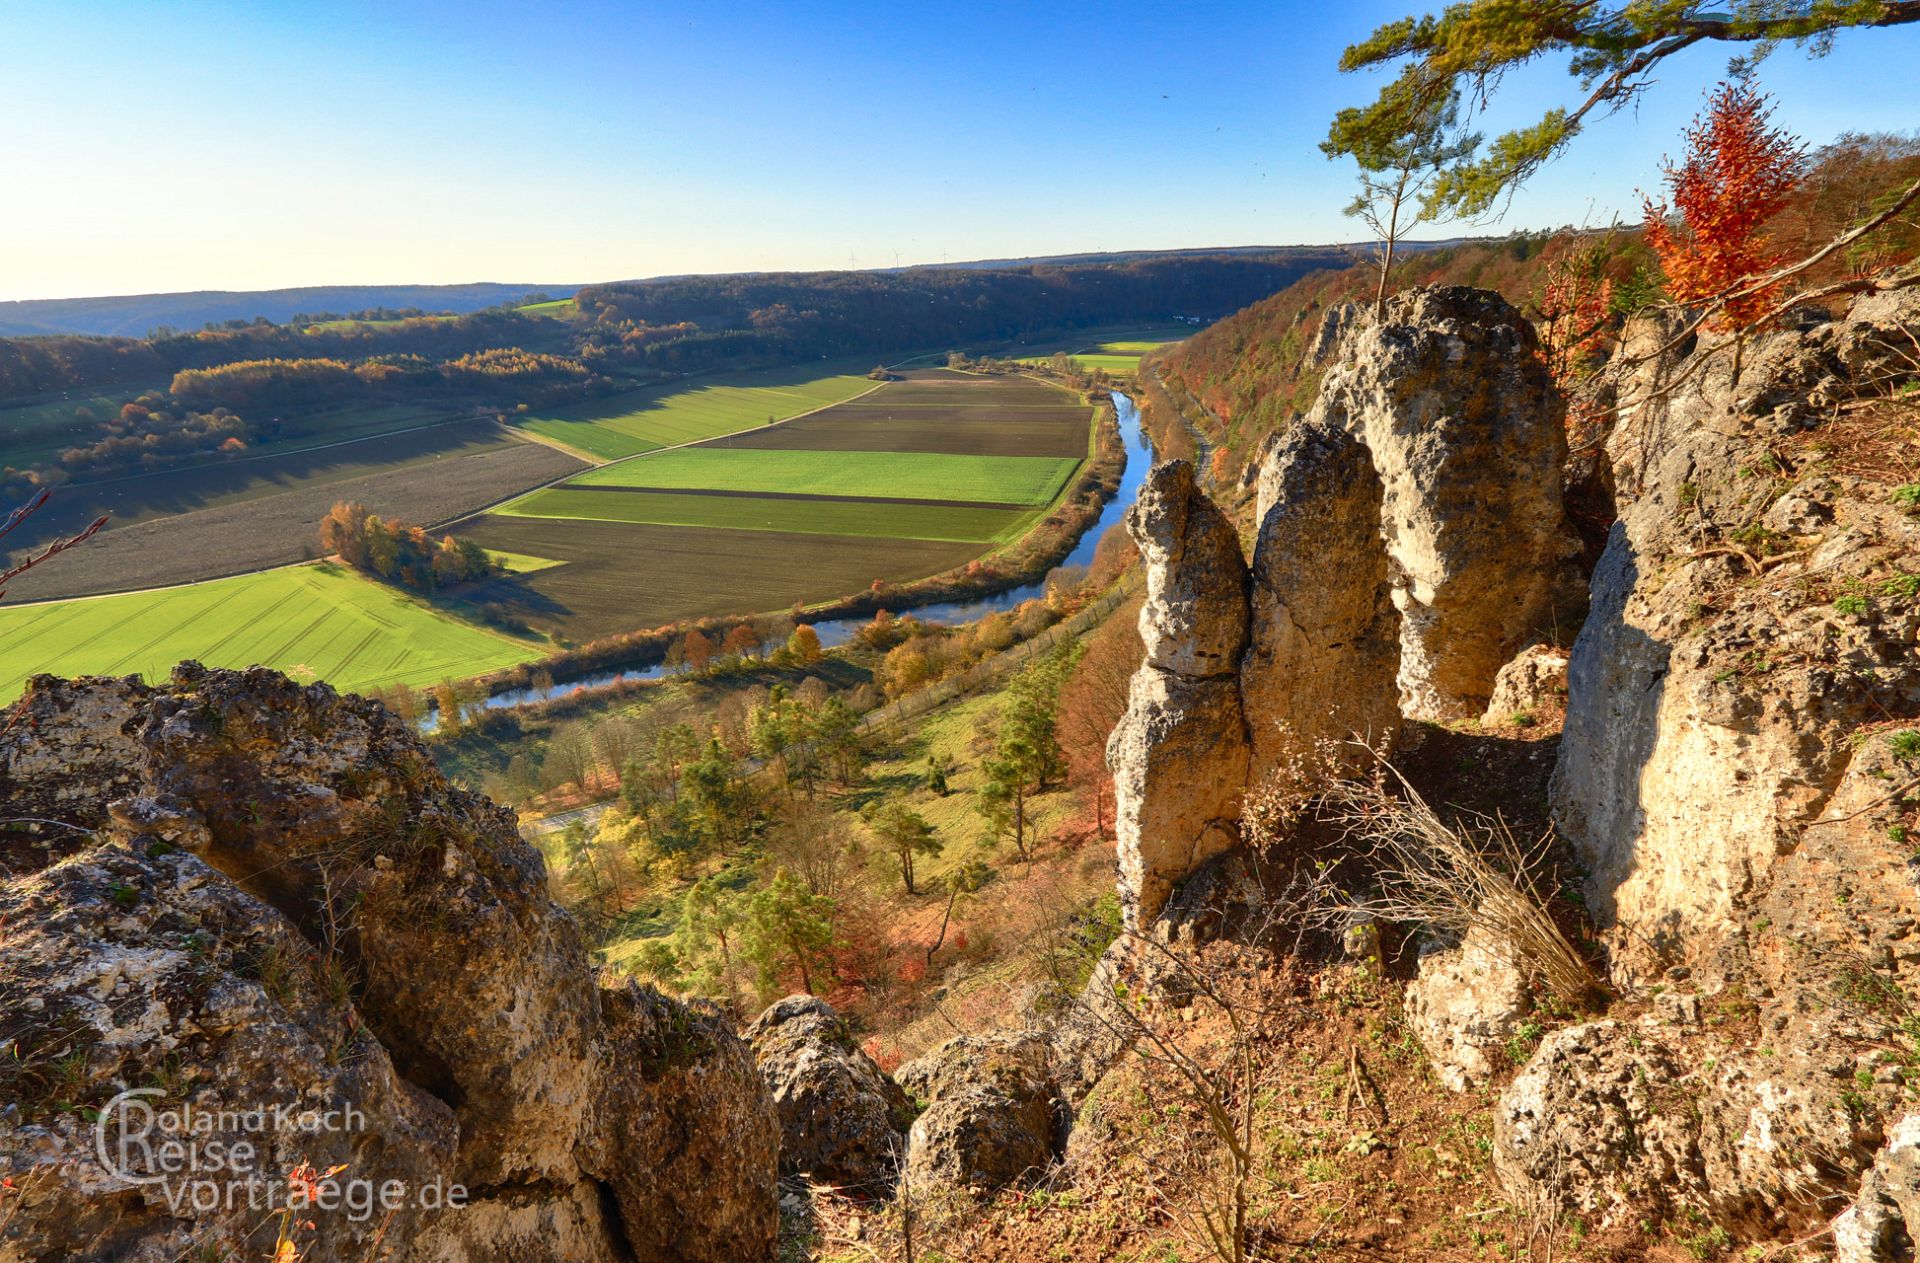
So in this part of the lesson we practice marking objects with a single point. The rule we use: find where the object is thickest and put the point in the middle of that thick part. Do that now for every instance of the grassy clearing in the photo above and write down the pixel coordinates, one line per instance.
(556, 309)
(1029, 480)
(807, 517)
(317, 622)
(685, 412)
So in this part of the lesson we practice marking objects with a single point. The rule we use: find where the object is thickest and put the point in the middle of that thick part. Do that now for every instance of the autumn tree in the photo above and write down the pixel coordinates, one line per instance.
(401, 551)
(742, 642)
(1737, 174)
(696, 652)
(813, 840)
(1574, 311)
(905, 834)
(1611, 47)
(803, 646)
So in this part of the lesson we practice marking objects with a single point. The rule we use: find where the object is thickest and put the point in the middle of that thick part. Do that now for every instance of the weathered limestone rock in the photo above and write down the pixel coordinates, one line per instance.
(1467, 437)
(1464, 1005)
(285, 904)
(681, 1131)
(1782, 1131)
(1586, 1127)
(1884, 1220)
(1535, 681)
(1179, 755)
(1712, 712)
(841, 1117)
(994, 1113)
(1324, 649)
(1603, 1119)
(124, 960)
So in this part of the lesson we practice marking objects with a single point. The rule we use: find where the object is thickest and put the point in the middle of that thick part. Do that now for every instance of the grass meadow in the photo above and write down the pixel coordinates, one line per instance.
(1117, 351)
(879, 519)
(1015, 480)
(315, 622)
(662, 416)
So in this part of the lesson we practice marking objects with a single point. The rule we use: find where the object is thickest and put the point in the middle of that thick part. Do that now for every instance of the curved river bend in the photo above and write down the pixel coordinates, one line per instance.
(837, 631)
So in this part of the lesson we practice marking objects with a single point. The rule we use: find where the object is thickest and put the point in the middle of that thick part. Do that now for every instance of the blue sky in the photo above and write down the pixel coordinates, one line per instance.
(163, 146)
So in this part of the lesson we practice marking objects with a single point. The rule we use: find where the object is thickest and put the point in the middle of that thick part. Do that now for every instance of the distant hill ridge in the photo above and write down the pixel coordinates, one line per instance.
(137, 315)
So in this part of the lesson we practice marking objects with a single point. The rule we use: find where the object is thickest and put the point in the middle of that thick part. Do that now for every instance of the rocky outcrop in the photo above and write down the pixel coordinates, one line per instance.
(841, 1118)
(1321, 666)
(1467, 437)
(1528, 688)
(263, 895)
(993, 1115)
(1179, 754)
(1410, 538)
(1739, 639)
(1465, 1003)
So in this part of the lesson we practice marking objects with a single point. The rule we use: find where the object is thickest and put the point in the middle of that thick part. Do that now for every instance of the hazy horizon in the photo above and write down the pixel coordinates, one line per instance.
(228, 146)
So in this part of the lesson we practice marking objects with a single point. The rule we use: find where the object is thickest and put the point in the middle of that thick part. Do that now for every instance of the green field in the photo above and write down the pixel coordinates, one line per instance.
(662, 416)
(313, 622)
(521, 563)
(1029, 480)
(556, 308)
(1118, 352)
(807, 517)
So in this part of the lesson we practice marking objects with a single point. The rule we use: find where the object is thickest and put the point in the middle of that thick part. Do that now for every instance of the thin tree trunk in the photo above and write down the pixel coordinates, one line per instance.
(952, 894)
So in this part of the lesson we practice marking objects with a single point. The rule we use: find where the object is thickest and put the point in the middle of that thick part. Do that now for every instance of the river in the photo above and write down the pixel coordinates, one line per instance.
(837, 631)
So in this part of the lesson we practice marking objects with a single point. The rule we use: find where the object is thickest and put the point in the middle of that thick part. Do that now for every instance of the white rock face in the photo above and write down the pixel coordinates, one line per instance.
(1712, 710)
(1465, 1004)
(1179, 755)
(1468, 438)
(1325, 639)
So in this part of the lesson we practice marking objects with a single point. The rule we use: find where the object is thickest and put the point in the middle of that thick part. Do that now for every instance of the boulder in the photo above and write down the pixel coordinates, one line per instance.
(993, 1114)
(1320, 668)
(273, 899)
(1467, 436)
(1179, 754)
(1596, 1124)
(841, 1117)
(1465, 1003)
(1533, 684)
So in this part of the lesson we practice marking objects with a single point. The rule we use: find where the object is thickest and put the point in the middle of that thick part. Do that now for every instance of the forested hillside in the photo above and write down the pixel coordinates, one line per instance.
(219, 392)
(1244, 377)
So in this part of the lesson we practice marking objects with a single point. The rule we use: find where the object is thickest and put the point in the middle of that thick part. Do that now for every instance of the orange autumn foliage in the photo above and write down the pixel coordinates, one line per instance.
(1738, 174)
